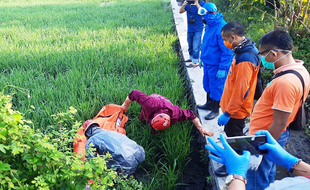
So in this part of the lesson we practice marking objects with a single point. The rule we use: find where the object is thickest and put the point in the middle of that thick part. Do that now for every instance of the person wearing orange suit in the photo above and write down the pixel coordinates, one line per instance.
(238, 96)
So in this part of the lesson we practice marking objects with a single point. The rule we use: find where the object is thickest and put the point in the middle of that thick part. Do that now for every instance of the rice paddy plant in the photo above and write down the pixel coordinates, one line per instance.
(89, 53)
(181, 136)
(170, 175)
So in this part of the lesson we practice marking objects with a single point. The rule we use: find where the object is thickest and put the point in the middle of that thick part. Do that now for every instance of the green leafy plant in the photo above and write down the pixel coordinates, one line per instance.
(32, 160)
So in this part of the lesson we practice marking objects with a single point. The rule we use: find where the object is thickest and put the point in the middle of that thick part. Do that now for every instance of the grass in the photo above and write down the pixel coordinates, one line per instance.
(89, 53)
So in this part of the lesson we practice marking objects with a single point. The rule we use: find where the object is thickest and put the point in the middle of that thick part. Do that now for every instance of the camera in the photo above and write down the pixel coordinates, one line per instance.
(191, 20)
(190, 1)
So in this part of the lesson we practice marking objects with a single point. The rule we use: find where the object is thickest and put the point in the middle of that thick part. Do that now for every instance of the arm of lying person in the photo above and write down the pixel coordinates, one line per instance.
(202, 130)
(135, 95)
(91, 150)
(126, 104)
(235, 164)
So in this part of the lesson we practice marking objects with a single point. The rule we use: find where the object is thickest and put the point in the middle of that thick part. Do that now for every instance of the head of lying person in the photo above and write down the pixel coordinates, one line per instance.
(160, 122)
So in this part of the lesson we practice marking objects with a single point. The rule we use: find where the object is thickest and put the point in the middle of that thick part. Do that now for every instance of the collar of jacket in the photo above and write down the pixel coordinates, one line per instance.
(239, 48)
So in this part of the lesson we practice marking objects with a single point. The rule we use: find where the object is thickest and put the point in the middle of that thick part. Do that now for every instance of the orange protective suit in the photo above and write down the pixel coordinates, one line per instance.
(110, 117)
(237, 98)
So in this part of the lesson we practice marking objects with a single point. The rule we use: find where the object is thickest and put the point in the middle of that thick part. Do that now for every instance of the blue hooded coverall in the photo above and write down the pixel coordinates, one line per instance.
(214, 55)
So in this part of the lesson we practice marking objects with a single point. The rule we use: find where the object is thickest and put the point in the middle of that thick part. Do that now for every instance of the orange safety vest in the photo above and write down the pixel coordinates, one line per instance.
(110, 117)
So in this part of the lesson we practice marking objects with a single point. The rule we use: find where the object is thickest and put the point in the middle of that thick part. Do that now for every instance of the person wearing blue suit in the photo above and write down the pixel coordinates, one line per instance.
(215, 57)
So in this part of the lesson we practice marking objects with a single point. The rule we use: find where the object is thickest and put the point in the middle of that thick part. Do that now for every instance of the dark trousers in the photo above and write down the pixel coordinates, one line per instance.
(234, 127)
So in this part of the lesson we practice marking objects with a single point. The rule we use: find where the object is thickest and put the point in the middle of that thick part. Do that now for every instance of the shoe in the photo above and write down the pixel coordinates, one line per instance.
(221, 171)
(192, 65)
(189, 60)
(214, 112)
(207, 105)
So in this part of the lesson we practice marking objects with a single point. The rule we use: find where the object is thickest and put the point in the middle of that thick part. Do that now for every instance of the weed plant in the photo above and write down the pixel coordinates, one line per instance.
(31, 159)
(89, 53)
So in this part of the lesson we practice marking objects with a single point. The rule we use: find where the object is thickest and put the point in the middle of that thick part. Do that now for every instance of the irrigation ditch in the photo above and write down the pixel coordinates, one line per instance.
(196, 173)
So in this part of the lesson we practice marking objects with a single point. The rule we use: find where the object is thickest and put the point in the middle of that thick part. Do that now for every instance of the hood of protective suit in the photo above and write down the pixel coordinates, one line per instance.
(212, 19)
(210, 14)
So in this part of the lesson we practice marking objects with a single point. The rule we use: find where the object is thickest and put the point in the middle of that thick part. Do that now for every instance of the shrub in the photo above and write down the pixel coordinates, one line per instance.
(33, 160)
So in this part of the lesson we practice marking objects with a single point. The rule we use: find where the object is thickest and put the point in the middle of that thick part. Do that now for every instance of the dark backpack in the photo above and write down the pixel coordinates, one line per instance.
(301, 117)
(259, 85)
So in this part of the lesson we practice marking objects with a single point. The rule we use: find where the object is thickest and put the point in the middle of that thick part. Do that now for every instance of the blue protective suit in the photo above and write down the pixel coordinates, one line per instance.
(214, 55)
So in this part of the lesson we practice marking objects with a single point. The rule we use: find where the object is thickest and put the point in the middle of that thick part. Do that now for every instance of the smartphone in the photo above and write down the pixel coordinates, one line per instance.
(249, 143)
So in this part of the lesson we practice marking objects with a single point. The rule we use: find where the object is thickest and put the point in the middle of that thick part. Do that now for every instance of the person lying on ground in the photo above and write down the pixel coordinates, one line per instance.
(237, 165)
(160, 113)
(126, 154)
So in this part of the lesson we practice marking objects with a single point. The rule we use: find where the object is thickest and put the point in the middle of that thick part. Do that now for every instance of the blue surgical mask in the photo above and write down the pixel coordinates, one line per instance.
(270, 65)
(266, 64)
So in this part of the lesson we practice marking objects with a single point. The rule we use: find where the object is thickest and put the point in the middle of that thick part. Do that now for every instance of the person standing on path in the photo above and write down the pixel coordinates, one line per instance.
(215, 57)
(280, 101)
(194, 30)
(238, 96)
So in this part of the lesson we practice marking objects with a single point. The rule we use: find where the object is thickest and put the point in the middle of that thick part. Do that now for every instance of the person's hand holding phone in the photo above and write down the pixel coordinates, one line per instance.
(235, 163)
(276, 153)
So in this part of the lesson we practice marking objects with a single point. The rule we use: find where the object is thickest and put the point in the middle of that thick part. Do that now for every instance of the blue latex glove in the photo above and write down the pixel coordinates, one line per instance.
(276, 153)
(223, 119)
(220, 74)
(235, 163)
(200, 64)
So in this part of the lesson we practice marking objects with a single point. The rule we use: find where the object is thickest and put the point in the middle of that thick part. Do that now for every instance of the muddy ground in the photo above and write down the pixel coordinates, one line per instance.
(299, 146)
(196, 173)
